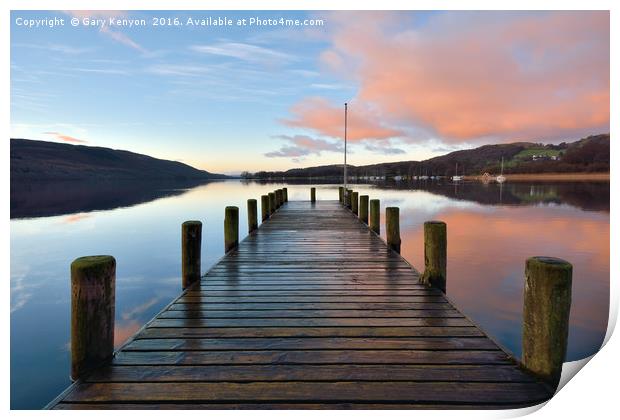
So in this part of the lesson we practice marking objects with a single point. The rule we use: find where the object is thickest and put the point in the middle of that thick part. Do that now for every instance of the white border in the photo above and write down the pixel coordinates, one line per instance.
(591, 394)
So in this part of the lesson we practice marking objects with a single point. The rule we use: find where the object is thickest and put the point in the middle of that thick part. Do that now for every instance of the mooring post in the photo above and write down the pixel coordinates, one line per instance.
(278, 200)
(231, 228)
(363, 208)
(285, 194)
(546, 309)
(252, 215)
(341, 195)
(272, 203)
(435, 254)
(392, 228)
(264, 207)
(93, 283)
(348, 198)
(313, 195)
(375, 208)
(354, 201)
(191, 240)
(280, 196)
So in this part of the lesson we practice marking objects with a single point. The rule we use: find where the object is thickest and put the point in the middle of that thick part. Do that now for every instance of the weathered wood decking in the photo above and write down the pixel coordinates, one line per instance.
(311, 311)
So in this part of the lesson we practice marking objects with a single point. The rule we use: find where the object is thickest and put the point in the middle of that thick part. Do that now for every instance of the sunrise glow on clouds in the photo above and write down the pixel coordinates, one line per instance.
(231, 99)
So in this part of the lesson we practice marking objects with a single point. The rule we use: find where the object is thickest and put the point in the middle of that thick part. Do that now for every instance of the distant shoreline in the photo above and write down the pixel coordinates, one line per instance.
(570, 176)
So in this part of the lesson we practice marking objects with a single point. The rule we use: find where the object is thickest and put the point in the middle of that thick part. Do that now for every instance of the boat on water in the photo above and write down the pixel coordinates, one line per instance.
(501, 178)
(456, 176)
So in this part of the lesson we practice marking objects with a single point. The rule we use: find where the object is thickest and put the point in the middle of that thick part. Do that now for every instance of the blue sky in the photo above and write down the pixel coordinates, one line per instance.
(235, 98)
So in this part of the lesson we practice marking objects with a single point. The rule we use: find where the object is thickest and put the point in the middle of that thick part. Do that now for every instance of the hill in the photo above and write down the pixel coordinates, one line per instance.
(33, 160)
(590, 154)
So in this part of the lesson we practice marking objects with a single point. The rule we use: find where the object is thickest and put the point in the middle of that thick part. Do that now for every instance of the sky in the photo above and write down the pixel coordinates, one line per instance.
(247, 96)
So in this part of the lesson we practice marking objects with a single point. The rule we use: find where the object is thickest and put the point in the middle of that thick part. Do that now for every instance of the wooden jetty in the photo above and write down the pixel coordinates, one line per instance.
(311, 310)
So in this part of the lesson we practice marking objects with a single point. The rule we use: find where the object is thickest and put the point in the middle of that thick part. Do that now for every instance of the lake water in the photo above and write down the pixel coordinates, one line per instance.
(492, 229)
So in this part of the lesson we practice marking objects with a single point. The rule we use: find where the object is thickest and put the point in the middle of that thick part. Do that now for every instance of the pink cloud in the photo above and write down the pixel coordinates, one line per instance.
(64, 137)
(469, 76)
(328, 120)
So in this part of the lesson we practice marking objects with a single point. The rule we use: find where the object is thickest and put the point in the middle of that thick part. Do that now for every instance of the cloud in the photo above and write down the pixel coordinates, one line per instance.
(64, 137)
(300, 146)
(178, 69)
(61, 48)
(385, 149)
(471, 76)
(122, 38)
(105, 30)
(320, 115)
(245, 52)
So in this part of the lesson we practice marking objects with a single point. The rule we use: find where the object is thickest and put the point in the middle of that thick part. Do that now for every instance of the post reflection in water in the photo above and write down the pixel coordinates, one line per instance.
(492, 229)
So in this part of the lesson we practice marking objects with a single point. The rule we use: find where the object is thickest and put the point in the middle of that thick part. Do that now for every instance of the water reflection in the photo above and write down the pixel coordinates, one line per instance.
(492, 229)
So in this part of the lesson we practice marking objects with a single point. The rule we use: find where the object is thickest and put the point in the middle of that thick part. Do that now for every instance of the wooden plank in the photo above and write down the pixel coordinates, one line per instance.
(311, 372)
(324, 313)
(309, 322)
(437, 392)
(313, 343)
(253, 357)
(236, 332)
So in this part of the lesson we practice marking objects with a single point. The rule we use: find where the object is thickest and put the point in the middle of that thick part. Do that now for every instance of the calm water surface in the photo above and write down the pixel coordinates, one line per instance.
(492, 229)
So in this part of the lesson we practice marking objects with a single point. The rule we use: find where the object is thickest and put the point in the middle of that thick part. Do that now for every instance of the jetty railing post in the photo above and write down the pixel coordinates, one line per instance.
(280, 196)
(348, 198)
(285, 194)
(546, 309)
(231, 228)
(252, 215)
(392, 228)
(278, 200)
(93, 283)
(191, 240)
(313, 195)
(435, 254)
(264, 207)
(375, 218)
(272, 203)
(354, 202)
(341, 195)
(363, 208)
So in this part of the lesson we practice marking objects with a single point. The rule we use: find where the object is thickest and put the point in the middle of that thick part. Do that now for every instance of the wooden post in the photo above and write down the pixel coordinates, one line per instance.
(264, 207)
(392, 228)
(252, 215)
(363, 208)
(231, 228)
(435, 254)
(279, 197)
(546, 309)
(341, 194)
(191, 239)
(313, 195)
(285, 194)
(375, 208)
(348, 198)
(354, 201)
(93, 283)
(272, 203)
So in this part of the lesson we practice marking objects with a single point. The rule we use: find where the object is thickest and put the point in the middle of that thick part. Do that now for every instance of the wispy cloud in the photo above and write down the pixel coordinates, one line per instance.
(384, 149)
(61, 48)
(299, 146)
(178, 69)
(246, 52)
(122, 38)
(64, 137)
(105, 30)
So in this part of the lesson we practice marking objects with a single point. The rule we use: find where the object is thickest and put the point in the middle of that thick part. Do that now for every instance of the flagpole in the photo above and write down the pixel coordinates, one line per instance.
(345, 148)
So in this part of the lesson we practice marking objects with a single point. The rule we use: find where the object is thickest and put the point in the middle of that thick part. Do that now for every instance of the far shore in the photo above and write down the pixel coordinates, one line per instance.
(573, 176)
